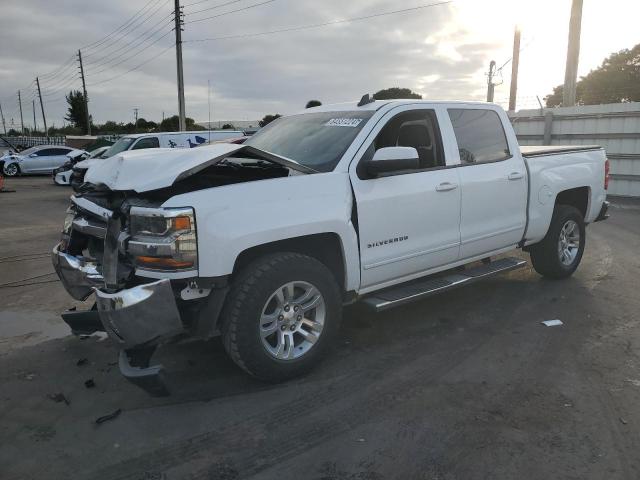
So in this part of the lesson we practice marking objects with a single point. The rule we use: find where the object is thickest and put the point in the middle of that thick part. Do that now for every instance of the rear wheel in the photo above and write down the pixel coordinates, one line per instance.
(282, 313)
(560, 252)
(11, 170)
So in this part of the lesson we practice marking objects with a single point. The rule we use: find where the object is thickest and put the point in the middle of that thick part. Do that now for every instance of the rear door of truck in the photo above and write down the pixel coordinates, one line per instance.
(493, 180)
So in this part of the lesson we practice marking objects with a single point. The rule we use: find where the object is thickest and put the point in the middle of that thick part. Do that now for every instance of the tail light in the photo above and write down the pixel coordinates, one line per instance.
(606, 174)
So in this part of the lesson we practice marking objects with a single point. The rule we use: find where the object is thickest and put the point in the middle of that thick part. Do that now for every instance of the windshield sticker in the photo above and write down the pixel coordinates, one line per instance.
(343, 122)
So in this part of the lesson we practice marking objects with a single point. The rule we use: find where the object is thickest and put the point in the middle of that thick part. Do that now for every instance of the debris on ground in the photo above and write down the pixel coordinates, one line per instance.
(108, 417)
(58, 397)
(82, 361)
(552, 323)
(90, 383)
(623, 421)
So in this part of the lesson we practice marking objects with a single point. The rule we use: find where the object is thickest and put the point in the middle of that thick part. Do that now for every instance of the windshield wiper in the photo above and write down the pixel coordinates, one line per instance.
(279, 159)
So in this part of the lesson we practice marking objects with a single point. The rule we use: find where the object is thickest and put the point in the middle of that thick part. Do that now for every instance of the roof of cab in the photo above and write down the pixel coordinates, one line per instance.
(377, 104)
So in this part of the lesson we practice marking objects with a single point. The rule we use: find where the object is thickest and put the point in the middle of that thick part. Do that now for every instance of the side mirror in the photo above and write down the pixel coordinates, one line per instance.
(393, 159)
(33, 155)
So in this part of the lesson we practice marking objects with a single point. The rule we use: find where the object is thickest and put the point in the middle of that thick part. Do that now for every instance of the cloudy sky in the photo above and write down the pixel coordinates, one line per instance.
(442, 52)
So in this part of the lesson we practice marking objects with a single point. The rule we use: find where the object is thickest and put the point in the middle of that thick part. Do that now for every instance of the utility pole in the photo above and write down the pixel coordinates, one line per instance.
(44, 119)
(4, 125)
(573, 55)
(33, 106)
(490, 84)
(182, 123)
(515, 64)
(21, 119)
(135, 116)
(84, 92)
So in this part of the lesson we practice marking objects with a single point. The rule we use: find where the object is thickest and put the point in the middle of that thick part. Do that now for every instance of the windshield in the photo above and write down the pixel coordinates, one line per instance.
(315, 140)
(120, 146)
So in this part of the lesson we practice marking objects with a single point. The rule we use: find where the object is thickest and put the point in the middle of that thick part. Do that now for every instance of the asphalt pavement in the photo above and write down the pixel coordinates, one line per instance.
(465, 385)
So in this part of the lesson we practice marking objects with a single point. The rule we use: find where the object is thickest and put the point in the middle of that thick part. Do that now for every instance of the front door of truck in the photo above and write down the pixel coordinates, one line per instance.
(408, 221)
(493, 182)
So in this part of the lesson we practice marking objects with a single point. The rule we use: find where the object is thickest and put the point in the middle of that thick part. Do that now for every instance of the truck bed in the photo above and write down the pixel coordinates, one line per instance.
(540, 150)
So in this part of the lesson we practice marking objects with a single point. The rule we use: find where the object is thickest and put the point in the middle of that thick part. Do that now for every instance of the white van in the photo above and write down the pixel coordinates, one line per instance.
(169, 140)
(141, 141)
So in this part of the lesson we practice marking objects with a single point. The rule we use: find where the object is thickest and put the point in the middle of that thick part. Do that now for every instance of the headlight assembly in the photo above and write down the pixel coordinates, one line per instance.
(163, 239)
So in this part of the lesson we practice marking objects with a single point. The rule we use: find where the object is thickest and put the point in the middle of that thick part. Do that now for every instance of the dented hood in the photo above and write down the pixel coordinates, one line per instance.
(151, 169)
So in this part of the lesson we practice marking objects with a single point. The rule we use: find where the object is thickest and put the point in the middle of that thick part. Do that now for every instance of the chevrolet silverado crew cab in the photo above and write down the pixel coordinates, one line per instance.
(383, 202)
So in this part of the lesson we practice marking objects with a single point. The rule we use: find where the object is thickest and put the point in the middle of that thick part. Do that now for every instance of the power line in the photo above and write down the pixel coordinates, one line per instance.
(133, 54)
(56, 71)
(61, 83)
(132, 69)
(107, 54)
(215, 6)
(101, 41)
(319, 25)
(99, 63)
(220, 5)
(229, 12)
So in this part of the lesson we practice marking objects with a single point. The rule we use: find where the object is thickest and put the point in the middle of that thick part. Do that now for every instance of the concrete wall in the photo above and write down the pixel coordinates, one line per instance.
(616, 127)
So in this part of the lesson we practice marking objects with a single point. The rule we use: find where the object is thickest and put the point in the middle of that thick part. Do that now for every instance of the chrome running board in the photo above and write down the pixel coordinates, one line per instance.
(425, 287)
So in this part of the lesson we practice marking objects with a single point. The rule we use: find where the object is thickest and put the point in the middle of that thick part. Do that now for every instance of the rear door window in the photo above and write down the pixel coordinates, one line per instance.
(480, 135)
(59, 151)
(46, 152)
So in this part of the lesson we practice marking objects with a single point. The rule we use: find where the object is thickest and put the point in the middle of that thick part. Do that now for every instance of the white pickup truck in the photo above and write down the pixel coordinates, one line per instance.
(383, 202)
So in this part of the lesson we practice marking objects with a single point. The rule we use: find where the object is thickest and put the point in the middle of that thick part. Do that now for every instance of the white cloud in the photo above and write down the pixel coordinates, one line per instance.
(441, 52)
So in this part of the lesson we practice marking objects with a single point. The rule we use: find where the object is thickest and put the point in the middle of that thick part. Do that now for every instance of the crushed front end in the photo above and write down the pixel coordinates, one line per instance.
(141, 262)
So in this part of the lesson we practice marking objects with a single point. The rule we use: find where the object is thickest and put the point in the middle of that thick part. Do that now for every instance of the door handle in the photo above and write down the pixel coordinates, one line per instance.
(446, 186)
(515, 176)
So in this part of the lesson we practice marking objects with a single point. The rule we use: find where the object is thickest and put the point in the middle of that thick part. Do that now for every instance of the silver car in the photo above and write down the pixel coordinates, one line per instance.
(35, 160)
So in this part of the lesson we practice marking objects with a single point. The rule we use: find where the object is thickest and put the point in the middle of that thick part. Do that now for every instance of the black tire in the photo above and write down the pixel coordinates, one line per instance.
(545, 255)
(251, 289)
(12, 172)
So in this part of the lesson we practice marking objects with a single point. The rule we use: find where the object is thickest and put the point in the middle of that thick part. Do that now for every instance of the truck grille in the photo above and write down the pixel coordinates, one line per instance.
(97, 235)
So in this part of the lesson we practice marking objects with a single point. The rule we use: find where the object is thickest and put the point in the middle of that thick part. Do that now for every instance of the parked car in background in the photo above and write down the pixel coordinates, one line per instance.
(62, 175)
(142, 141)
(42, 159)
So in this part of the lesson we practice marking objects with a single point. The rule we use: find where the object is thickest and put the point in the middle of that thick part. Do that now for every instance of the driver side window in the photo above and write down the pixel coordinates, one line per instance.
(415, 128)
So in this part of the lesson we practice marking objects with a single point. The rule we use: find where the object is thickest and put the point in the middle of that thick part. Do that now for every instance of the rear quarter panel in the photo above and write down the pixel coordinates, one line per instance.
(551, 174)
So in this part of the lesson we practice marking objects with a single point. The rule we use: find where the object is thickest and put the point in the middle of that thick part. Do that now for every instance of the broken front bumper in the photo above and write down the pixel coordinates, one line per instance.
(140, 316)
(137, 319)
(78, 276)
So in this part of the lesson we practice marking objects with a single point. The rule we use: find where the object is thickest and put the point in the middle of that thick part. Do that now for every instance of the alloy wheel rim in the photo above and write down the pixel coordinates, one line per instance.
(292, 320)
(11, 170)
(569, 242)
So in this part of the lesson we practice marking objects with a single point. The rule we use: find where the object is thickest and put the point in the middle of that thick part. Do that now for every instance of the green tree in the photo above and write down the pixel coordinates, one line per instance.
(228, 126)
(617, 80)
(267, 119)
(313, 103)
(146, 126)
(172, 124)
(76, 114)
(396, 92)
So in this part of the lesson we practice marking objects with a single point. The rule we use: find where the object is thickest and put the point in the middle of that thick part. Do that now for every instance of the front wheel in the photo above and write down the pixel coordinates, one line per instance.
(11, 170)
(282, 313)
(560, 251)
